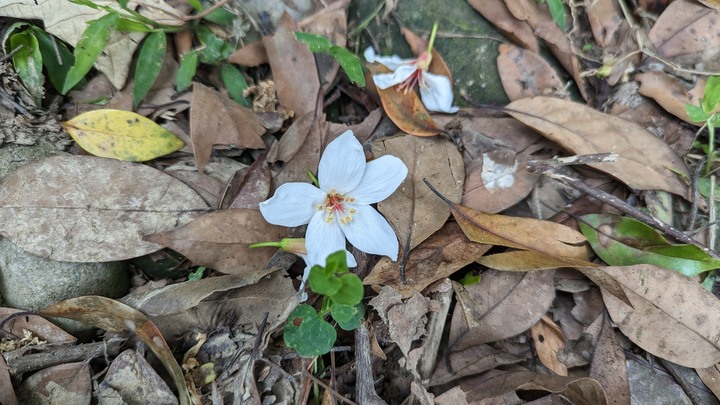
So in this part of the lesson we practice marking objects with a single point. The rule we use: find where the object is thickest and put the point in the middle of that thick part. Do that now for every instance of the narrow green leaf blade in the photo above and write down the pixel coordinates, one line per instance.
(195, 4)
(220, 16)
(235, 83)
(148, 66)
(128, 25)
(621, 241)
(89, 47)
(350, 64)
(216, 50)
(58, 62)
(186, 72)
(316, 43)
(711, 97)
(557, 10)
(28, 63)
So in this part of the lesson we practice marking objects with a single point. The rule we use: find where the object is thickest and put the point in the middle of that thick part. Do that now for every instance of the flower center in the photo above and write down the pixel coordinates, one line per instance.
(336, 203)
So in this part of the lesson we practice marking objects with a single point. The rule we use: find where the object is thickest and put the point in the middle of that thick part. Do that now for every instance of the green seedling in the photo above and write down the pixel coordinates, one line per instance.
(307, 331)
(347, 60)
(707, 112)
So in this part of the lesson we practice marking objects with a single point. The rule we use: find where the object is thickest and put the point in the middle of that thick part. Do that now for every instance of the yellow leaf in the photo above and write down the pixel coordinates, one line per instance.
(121, 135)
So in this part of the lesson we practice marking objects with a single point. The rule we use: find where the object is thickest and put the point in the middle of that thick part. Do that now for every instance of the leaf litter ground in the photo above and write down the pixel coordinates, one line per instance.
(577, 295)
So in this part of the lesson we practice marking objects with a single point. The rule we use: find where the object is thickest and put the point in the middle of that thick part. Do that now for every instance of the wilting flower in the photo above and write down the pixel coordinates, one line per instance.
(340, 207)
(435, 90)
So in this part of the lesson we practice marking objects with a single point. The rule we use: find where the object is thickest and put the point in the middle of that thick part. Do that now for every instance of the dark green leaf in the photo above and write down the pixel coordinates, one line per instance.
(220, 16)
(350, 64)
(316, 43)
(149, 63)
(308, 333)
(711, 97)
(235, 83)
(186, 72)
(557, 10)
(89, 47)
(216, 50)
(348, 317)
(323, 281)
(621, 241)
(28, 63)
(57, 70)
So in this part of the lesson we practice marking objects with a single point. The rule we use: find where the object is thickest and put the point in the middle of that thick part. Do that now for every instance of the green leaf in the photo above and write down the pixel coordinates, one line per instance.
(149, 63)
(128, 25)
(195, 4)
(28, 63)
(87, 3)
(316, 43)
(235, 83)
(89, 47)
(470, 278)
(322, 280)
(621, 241)
(557, 10)
(220, 16)
(186, 72)
(351, 290)
(216, 50)
(695, 113)
(197, 274)
(57, 70)
(348, 317)
(350, 64)
(308, 333)
(711, 97)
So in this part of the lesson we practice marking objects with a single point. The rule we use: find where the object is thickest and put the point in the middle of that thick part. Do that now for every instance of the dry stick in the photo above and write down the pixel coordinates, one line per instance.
(619, 204)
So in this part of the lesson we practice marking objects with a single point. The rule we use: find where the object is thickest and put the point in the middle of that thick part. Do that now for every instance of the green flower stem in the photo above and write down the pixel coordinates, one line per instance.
(432, 37)
(266, 244)
(314, 179)
(711, 146)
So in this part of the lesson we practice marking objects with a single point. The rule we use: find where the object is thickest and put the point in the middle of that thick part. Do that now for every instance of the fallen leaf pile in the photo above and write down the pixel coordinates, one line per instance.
(512, 285)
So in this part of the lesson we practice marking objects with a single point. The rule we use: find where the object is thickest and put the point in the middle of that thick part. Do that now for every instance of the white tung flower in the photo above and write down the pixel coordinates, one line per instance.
(435, 90)
(340, 208)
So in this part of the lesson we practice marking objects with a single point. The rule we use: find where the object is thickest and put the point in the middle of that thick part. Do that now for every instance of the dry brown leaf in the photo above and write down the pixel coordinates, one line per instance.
(473, 360)
(605, 17)
(91, 209)
(608, 364)
(501, 305)
(549, 341)
(439, 256)
(7, 395)
(688, 33)
(293, 68)
(645, 162)
(220, 240)
(524, 73)
(544, 27)
(274, 294)
(670, 93)
(217, 120)
(37, 325)
(307, 158)
(497, 13)
(711, 3)
(710, 376)
(250, 55)
(673, 317)
(293, 139)
(113, 316)
(413, 211)
(254, 187)
(497, 383)
(69, 380)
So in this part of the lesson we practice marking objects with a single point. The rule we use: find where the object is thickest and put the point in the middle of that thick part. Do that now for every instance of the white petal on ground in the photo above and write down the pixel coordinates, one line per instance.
(342, 164)
(381, 178)
(385, 80)
(390, 62)
(370, 232)
(437, 93)
(323, 239)
(292, 205)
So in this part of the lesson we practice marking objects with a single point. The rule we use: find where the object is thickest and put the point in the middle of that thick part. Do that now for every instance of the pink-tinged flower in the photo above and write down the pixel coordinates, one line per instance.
(340, 207)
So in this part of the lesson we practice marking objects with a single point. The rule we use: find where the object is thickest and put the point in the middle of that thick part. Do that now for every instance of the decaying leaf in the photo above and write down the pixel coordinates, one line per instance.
(501, 305)
(114, 316)
(122, 135)
(220, 240)
(90, 209)
(608, 363)
(672, 316)
(69, 380)
(645, 162)
(38, 326)
(413, 211)
(293, 67)
(605, 17)
(439, 256)
(670, 93)
(549, 341)
(525, 74)
(254, 187)
(473, 360)
(215, 119)
(519, 31)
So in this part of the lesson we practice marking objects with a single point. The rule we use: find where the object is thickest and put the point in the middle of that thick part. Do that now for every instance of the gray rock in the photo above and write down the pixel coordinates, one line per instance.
(31, 282)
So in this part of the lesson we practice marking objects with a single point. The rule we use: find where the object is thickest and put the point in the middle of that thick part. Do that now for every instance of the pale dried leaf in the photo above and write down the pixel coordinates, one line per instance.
(64, 208)
(608, 364)
(549, 341)
(70, 381)
(497, 13)
(670, 93)
(644, 163)
(525, 73)
(470, 361)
